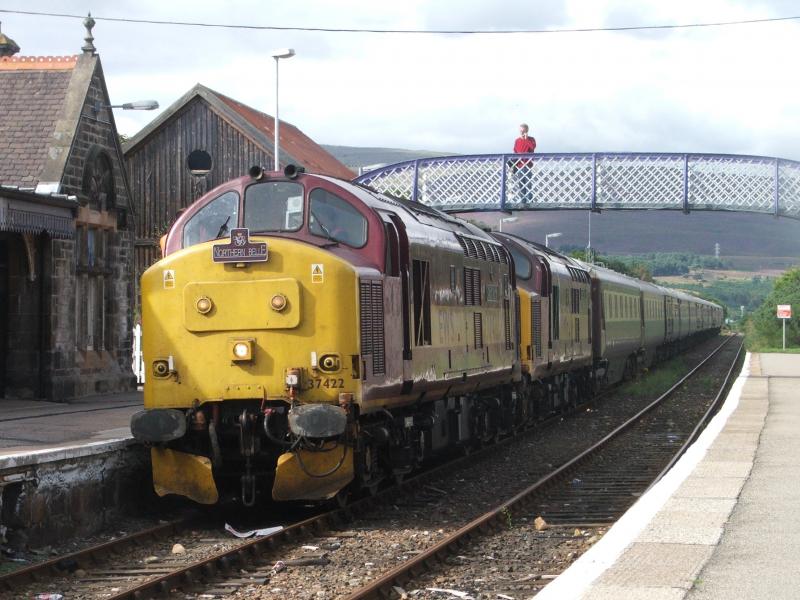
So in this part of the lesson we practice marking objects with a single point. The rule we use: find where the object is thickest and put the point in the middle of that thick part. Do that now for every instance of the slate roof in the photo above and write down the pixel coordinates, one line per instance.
(296, 146)
(32, 96)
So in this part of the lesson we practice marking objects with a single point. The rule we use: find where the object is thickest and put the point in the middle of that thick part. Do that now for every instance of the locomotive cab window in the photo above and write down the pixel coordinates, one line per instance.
(273, 206)
(213, 221)
(522, 266)
(335, 219)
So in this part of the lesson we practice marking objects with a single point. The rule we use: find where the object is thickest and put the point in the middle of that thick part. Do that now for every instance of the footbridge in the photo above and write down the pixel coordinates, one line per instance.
(595, 181)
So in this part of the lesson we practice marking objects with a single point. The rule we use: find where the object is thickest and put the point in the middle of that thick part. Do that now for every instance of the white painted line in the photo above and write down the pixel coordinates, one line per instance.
(575, 581)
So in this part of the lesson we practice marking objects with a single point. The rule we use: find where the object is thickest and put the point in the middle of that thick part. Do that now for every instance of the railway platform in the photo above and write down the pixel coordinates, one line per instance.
(30, 428)
(723, 522)
(65, 468)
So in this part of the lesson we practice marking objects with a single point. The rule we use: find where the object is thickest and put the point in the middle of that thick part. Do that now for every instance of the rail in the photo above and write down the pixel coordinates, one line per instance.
(399, 576)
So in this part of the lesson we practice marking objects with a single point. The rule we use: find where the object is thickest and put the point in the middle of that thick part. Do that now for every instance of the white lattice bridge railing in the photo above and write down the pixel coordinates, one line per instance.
(596, 181)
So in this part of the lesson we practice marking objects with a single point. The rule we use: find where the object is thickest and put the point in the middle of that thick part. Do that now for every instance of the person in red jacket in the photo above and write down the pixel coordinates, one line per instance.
(522, 168)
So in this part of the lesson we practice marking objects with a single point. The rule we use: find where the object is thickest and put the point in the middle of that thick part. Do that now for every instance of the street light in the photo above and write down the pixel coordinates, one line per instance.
(138, 105)
(505, 220)
(278, 55)
(548, 236)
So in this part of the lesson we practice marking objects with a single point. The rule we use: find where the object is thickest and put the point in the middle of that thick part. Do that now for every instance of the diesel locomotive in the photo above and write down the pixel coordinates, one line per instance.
(305, 336)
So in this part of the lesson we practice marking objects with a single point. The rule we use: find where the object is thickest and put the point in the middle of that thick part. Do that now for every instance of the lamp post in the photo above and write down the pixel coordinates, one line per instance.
(548, 236)
(504, 220)
(278, 55)
(137, 105)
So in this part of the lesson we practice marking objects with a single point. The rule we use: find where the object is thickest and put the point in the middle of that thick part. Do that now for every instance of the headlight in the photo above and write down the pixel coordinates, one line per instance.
(204, 305)
(241, 350)
(278, 302)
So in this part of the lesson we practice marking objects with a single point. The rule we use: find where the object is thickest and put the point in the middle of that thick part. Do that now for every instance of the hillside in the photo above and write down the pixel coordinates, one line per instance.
(747, 241)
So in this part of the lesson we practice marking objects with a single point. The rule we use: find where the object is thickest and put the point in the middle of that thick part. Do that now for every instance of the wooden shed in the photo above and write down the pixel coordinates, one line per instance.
(202, 140)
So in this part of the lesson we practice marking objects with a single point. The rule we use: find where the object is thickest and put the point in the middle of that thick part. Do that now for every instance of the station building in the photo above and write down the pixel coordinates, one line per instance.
(66, 239)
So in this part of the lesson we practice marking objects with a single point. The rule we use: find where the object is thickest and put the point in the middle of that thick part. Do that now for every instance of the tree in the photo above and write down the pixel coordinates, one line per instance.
(632, 268)
(767, 326)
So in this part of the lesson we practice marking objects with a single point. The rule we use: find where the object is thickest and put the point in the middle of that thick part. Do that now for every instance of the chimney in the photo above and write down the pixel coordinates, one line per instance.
(88, 47)
(8, 47)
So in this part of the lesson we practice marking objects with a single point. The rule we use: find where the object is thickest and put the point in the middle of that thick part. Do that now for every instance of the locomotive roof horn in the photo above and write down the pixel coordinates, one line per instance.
(292, 171)
(256, 172)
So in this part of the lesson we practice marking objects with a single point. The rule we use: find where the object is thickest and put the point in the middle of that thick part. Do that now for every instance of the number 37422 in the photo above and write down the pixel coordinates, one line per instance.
(327, 382)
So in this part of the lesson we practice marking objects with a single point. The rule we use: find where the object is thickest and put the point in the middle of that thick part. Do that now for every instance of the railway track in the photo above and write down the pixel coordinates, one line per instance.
(591, 490)
(218, 564)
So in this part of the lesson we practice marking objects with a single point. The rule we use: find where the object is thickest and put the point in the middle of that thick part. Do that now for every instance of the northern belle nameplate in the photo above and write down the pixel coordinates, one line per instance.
(240, 249)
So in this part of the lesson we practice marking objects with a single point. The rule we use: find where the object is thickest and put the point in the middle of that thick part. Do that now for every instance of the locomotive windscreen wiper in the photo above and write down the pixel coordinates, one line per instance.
(324, 229)
(224, 227)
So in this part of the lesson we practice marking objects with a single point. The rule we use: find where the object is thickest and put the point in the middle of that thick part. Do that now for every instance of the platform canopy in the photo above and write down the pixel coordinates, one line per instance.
(595, 181)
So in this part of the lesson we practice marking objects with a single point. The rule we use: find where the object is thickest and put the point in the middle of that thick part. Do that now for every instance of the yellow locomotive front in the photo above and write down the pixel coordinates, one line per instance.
(250, 341)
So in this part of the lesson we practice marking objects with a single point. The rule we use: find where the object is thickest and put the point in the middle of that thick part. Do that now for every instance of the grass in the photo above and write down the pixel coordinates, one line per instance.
(767, 349)
(754, 342)
(657, 381)
(704, 383)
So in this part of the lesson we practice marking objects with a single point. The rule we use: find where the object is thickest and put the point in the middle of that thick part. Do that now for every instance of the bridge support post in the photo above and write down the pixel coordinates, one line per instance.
(503, 181)
(776, 188)
(415, 190)
(686, 184)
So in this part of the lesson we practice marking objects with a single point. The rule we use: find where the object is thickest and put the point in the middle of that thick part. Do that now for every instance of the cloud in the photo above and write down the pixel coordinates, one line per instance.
(713, 89)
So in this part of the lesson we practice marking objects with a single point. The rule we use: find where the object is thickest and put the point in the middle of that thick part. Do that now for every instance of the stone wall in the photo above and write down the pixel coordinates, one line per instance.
(76, 371)
(63, 374)
(95, 129)
(53, 501)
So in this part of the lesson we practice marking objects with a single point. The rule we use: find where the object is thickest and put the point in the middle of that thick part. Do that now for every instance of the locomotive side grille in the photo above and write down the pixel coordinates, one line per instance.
(536, 325)
(378, 346)
(507, 323)
(472, 251)
(481, 250)
(372, 337)
(477, 321)
(463, 245)
(472, 287)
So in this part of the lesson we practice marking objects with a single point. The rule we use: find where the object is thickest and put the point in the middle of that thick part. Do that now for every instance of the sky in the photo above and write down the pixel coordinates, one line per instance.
(722, 89)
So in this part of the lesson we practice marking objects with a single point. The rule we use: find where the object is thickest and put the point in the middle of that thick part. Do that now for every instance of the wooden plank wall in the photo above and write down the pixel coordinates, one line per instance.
(161, 182)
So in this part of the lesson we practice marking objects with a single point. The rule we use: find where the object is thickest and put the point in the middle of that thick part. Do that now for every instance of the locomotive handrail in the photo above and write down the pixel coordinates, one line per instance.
(595, 181)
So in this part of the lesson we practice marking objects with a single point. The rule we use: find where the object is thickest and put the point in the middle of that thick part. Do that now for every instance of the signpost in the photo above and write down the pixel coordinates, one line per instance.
(784, 312)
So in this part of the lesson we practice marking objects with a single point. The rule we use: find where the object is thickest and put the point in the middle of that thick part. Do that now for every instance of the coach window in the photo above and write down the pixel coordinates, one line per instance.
(522, 266)
(333, 218)
(273, 206)
(214, 220)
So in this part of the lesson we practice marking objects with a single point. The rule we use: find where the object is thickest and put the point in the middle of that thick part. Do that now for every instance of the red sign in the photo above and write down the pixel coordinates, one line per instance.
(784, 311)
